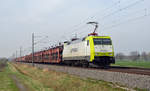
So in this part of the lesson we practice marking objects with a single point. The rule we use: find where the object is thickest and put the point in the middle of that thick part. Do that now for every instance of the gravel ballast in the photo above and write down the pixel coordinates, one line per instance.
(126, 79)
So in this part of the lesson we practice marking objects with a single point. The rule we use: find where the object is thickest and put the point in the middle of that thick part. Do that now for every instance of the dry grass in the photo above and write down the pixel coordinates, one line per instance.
(3, 64)
(45, 70)
(57, 81)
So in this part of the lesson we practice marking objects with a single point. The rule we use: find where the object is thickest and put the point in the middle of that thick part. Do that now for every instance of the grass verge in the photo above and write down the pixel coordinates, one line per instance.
(6, 83)
(130, 63)
(46, 80)
(35, 79)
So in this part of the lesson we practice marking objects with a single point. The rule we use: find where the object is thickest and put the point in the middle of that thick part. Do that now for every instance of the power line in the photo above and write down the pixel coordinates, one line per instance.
(121, 9)
(115, 12)
(116, 3)
(129, 20)
(40, 40)
(77, 25)
(82, 27)
(132, 13)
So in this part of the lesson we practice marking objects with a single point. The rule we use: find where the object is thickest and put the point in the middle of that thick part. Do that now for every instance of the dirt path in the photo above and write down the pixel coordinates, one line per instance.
(19, 84)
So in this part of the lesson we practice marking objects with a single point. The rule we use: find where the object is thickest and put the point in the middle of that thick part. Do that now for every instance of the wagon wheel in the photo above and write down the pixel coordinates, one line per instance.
(85, 64)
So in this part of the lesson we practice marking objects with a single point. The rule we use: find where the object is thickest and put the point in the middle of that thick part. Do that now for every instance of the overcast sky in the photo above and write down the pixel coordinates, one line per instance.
(126, 21)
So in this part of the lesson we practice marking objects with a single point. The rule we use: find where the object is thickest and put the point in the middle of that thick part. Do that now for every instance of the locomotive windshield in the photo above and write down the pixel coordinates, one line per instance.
(102, 41)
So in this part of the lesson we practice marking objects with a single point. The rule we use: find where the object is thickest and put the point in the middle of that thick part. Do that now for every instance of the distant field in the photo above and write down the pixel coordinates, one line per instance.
(130, 63)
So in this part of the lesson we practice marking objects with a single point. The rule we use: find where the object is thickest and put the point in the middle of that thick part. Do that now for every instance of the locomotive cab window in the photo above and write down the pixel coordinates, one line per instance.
(102, 41)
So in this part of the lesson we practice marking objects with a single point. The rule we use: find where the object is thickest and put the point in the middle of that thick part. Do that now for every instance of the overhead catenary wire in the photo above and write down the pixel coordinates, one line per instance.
(90, 17)
(40, 40)
(124, 16)
(78, 27)
(120, 18)
(121, 9)
(129, 20)
(113, 13)
(124, 8)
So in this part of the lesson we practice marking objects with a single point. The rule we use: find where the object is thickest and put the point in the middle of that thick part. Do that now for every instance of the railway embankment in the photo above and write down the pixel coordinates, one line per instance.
(125, 79)
(48, 80)
(8, 80)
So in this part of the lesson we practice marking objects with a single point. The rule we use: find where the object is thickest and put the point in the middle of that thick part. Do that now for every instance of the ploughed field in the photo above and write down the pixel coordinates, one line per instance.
(21, 77)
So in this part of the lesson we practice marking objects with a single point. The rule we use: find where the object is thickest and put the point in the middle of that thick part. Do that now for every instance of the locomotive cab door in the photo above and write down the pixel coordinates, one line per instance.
(87, 50)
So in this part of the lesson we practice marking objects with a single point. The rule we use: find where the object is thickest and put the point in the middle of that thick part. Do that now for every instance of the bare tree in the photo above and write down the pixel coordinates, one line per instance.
(134, 55)
(144, 56)
(120, 56)
(148, 56)
(3, 59)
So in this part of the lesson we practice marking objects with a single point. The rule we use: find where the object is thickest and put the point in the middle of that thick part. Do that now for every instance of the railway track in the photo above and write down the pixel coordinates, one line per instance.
(131, 70)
